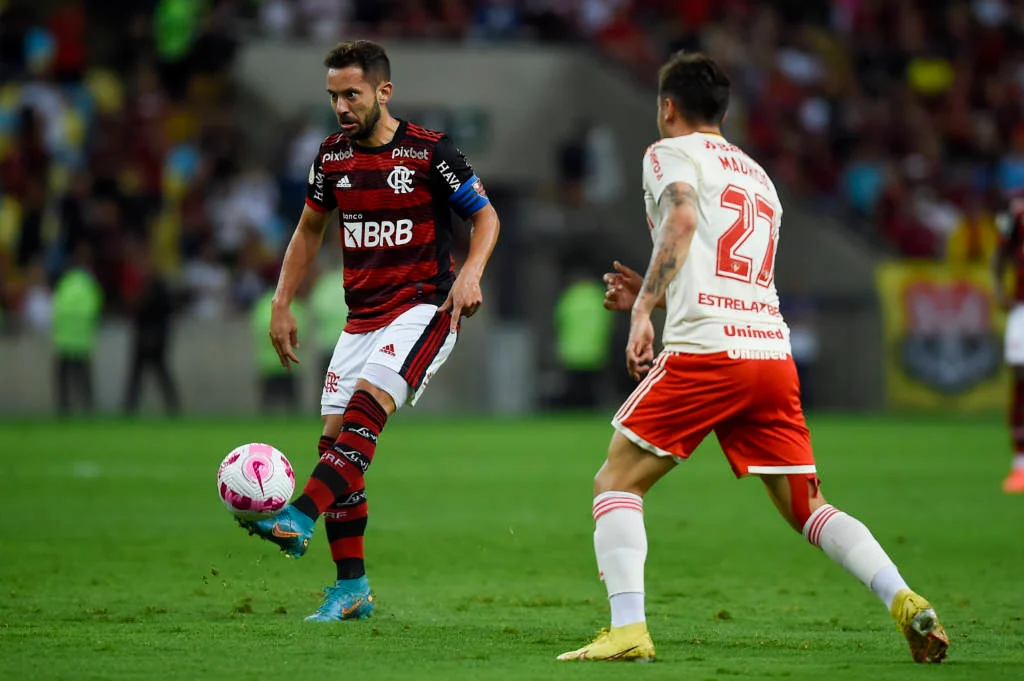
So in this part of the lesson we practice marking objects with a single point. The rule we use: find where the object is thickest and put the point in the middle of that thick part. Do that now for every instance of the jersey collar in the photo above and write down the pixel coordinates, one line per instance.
(399, 134)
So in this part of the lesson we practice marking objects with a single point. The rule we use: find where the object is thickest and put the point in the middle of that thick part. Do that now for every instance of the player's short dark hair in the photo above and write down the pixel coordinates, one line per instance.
(366, 54)
(697, 85)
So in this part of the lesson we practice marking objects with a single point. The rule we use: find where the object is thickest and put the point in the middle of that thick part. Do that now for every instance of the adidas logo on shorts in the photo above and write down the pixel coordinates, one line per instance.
(388, 349)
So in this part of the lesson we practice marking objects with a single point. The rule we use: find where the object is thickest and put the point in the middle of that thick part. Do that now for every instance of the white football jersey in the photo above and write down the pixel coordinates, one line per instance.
(723, 298)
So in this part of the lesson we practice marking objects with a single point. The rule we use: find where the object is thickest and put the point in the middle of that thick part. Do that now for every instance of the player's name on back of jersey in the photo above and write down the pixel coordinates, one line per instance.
(743, 165)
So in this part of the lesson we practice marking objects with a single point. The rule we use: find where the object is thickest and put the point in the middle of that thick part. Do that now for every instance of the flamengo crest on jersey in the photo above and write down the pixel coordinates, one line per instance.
(723, 299)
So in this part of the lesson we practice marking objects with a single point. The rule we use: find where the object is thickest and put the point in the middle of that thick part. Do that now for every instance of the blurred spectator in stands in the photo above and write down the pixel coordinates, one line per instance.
(277, 18)
(300, 150)
(67, 25)
(176, 26)
(214, 49)
(15, 20)
(583, 330)
(603, 178)
(37, 299)
(208, 283)
(572, 164)
(77, 305)
(106, 227)
(900, 227)
(72, 209)
(976, 237)
(1011, 166)
(30, 236)
(327, 20)
(27, 160)
(496, 21)
(455, 19)
(145, 125)
(194, 226)
(251, 273)
(150, 305)
(247, 205)
(862, 180)
(550, 20)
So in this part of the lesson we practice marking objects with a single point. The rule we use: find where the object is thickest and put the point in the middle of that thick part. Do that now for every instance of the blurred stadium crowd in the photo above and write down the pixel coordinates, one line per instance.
(122, 136)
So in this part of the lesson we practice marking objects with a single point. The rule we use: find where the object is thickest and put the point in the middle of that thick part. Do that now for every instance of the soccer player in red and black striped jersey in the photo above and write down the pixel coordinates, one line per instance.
(393, 185)
(1010, 255)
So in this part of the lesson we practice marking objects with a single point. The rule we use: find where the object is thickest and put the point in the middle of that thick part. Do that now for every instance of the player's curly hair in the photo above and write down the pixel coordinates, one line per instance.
(366, 54)
(698, 86)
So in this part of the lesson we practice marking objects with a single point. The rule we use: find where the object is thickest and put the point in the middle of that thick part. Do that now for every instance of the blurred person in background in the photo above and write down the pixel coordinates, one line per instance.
(208, 284)
(278, 387)
(37, 299)
(1009, 263)
(77, 306)
(395, 185)
(975, 240)
(583, 331)
(151, 306)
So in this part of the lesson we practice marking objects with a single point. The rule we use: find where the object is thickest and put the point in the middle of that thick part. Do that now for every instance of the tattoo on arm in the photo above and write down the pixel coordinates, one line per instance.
(673, 244)
(680, 194)
(663, 268)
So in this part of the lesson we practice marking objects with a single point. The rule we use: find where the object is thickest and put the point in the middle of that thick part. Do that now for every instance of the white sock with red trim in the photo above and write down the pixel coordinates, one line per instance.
(620, 542)
(850, 543)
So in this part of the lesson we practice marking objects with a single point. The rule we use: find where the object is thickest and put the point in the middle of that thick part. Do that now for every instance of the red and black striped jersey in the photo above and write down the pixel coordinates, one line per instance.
(1011, 228)
(394, 207)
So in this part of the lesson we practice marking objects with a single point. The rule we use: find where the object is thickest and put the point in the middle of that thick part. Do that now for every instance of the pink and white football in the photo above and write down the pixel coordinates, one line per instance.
(255, 481)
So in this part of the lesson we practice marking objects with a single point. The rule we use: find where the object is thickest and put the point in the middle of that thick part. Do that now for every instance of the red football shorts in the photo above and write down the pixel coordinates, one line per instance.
(752, 405)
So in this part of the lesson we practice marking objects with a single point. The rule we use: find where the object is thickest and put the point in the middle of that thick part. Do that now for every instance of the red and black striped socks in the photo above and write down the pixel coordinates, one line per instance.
(1017, 417)
(345, 523)
(344, 463)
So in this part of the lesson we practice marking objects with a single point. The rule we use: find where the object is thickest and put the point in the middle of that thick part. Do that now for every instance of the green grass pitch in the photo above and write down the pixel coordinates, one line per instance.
(117, 560)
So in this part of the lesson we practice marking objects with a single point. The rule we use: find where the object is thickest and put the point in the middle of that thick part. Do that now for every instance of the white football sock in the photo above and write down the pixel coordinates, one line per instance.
(620, 543)
(848, 542)
(627, 608)
(1018, 461)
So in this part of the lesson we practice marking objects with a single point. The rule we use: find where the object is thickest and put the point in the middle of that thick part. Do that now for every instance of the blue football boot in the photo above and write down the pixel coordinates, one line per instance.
(290, 529)
(348, 599)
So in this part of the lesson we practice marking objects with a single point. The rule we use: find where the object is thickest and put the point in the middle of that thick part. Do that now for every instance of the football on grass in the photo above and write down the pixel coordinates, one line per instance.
(255, 481)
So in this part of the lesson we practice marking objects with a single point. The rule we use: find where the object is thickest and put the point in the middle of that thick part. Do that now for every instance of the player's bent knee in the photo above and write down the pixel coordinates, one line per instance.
(385, 386)
(332, 425)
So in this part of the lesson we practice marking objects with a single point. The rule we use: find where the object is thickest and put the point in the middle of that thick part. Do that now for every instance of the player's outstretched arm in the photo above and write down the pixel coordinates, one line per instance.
(302, 250)
(679, 207)
(466, 297)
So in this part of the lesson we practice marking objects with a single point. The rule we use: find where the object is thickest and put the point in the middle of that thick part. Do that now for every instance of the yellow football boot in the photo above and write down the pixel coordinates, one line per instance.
(917, 621)
(629, 643)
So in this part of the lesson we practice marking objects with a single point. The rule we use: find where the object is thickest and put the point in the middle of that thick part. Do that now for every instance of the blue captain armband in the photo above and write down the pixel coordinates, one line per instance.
(469, 198)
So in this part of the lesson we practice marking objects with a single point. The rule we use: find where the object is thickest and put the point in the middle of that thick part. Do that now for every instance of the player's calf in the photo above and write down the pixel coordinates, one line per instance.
(848, 542)
(343, 466)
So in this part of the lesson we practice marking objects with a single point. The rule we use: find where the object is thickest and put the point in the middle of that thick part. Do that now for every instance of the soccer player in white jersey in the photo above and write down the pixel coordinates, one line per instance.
(726, 367)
